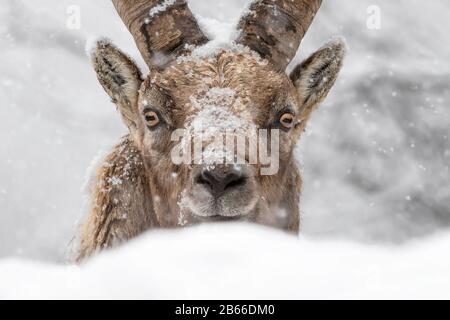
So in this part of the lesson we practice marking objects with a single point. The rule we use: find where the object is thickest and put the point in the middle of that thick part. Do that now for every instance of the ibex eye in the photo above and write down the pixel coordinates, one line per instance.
(152, 118)
(287, 120)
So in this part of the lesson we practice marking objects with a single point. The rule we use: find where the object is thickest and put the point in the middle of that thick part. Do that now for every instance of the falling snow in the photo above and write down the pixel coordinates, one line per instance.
(375, 156)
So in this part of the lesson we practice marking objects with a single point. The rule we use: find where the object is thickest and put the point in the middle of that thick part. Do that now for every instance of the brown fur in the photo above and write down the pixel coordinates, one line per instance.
(119, 210)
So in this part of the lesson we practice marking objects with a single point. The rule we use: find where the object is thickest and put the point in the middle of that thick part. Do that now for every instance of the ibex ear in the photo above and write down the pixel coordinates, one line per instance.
(121, 79)
(315, 76)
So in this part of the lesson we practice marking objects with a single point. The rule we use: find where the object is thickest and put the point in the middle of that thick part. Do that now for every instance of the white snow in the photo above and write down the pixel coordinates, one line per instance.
(239, 261)
(222, 36)
(166, 4)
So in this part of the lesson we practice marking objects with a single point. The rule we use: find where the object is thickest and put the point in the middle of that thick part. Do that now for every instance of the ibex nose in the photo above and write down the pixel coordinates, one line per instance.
(221, 181)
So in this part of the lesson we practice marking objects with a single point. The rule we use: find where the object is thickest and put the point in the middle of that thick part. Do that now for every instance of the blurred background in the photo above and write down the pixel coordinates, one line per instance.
(375, 157)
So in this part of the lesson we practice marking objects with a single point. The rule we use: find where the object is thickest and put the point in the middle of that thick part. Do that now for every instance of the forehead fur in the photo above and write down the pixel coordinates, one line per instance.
(254, 82)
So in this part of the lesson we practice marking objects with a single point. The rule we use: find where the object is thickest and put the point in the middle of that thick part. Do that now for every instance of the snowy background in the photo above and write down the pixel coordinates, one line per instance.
(375, 157)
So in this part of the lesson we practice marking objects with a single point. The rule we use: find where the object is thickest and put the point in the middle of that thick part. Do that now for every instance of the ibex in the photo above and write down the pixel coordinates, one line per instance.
(245, 85)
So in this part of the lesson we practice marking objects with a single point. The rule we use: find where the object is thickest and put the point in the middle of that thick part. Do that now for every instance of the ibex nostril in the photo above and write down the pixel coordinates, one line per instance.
(234, 180)
(206, 178)
(220, 182)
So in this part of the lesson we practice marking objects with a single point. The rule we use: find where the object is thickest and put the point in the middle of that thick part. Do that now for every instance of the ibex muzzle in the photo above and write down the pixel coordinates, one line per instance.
(227, 191)
(242, 88)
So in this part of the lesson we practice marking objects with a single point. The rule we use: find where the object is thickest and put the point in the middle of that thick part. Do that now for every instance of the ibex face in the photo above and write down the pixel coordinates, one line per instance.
(231, 92)
(241, 89)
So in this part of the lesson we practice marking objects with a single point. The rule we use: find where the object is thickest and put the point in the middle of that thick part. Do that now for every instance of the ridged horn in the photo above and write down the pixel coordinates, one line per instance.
(162, 29)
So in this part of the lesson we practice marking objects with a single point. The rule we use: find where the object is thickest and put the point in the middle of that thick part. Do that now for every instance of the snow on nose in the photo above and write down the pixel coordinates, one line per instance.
(216, 115)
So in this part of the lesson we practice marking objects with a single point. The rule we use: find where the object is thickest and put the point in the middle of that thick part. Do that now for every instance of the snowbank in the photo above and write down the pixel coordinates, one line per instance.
(239, 261)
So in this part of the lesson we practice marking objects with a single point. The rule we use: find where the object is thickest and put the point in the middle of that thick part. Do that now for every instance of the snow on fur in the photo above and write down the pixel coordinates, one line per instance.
(160, 8)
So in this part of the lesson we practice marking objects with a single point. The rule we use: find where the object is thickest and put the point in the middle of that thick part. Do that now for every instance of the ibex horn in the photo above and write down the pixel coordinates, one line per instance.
(275, 28)
(162, 29)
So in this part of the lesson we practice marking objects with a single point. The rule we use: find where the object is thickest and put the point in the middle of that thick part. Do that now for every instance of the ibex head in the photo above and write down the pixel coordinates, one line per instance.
(241, 88)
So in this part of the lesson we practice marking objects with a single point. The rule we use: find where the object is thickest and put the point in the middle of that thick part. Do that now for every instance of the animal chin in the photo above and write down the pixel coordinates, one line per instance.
(218, 218)
(232, 204)
(218, 211)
